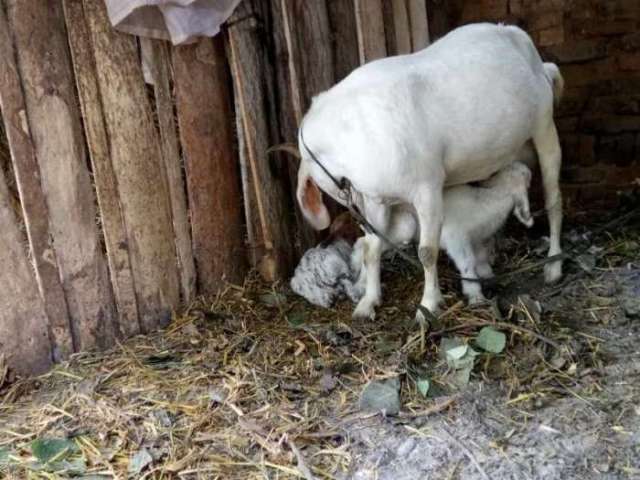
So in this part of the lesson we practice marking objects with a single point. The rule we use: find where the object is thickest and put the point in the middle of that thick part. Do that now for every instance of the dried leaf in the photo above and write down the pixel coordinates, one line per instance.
(491, 340)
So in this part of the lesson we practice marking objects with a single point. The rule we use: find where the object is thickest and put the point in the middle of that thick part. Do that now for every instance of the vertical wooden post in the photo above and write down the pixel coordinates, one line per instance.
(342, 18)
(32, 197)
(24, 338)
(397, 27)
(138, 167)
(370, 27)
(247, 60)
(161, 72)
(419, 24)
(115, 234)
(54, 119)
(205, 117)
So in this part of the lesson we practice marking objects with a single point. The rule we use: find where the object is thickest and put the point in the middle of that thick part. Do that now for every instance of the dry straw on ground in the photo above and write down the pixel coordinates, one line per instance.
(257, 384)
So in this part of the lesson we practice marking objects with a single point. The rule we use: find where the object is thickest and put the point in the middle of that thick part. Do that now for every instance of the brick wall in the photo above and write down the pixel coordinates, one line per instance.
(596, 44)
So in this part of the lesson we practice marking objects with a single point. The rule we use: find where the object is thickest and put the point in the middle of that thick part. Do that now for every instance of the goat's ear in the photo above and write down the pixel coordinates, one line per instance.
(522, 212)
(311, 204)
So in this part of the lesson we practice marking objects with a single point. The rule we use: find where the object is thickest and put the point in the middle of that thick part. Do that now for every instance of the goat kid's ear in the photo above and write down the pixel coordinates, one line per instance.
(523, 214)
(310, 201)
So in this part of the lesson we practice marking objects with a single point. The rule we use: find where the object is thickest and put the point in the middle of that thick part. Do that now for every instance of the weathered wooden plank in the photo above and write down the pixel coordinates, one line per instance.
(419, 24)
(397, 27)
(370, 27)
(54, 118)
(342, 18)
(160, 64)
(310, 23)
(290, 108)
(32, 197)
(247, 59)
(205, 116)
(113, 226)
(24, 338)
(138, 166)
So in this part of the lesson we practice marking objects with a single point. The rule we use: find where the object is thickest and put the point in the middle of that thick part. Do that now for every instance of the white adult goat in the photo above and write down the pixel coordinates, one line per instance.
(402, 128)
(472, 217)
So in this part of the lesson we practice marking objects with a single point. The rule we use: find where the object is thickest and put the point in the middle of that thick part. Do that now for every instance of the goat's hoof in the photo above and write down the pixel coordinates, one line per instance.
(552, 272)
(364, 311)
(423, 317)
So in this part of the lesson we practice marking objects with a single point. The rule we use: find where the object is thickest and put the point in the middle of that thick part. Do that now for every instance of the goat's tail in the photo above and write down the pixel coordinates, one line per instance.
(552, 72)
(289, 148)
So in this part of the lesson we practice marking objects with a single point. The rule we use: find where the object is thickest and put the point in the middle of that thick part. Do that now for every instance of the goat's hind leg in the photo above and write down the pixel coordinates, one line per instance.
(428, 207)
(550, 158)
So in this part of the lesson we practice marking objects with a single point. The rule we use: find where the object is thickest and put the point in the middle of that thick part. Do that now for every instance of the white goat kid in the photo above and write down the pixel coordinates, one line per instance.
(472, 217)
(402, 128)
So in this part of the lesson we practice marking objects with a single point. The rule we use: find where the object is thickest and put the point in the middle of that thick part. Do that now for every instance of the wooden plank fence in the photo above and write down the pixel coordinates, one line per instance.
(137, 198)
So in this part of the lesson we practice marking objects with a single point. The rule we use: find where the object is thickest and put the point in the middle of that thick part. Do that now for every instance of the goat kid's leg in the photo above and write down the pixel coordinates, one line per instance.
(462, 254)
(482, 253)
(548, 147)
(428, 207)
(378, 216)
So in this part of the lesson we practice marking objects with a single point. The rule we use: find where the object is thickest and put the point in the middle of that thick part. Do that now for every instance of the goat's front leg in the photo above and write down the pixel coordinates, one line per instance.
(549, 153)
(372, 247)
(428, 207)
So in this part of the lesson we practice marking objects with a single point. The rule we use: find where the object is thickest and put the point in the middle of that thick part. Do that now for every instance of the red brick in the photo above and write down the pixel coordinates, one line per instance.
(622, 177)
(602, 26)
(629, 61)
(551, 36)
(596, 122)
(543, 21)
(484, 10)
(567, 124)
(616, 149)
(626, 104)
(582, 175)
(586, 150)
(576, 51)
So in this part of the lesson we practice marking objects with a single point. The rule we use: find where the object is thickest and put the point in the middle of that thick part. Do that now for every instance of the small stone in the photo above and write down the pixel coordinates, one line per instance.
(631, 307)
(382, 396)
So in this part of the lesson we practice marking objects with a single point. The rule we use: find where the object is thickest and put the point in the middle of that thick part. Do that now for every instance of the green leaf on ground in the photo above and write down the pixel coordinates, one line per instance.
(491, 340)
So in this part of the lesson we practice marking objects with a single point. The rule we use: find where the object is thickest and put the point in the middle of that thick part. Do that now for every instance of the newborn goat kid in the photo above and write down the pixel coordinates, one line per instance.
(472, 216)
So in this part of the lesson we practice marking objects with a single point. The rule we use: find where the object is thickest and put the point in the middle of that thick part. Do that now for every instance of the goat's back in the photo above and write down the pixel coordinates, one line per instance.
(465, 104)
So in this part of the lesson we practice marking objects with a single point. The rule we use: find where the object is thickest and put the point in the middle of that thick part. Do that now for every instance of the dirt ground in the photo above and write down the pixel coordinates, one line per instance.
(257, 384)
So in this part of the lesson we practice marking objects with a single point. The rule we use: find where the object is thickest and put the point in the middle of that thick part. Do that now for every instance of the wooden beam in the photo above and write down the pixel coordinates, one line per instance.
(204, 105)
(138, 166)
(32, 197)
(54, 118)
(115, 234)
(160, 64)
(419, 24)
(344, 32)
(397, 27)
(370, 27)
(247, 57)
(24, 337)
